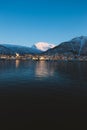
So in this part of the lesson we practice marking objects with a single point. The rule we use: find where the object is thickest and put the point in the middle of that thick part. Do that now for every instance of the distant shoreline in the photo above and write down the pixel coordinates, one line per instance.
(28, 59)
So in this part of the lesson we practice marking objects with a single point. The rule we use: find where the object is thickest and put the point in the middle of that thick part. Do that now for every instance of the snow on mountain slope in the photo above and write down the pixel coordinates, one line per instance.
(78, 39)
(21, 49)
(5, 50)
(76, 46)
(43, 46)
(82, 41)
(35, 49)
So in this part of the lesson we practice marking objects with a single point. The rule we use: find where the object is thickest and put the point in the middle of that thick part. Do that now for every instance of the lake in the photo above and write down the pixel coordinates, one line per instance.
(42, 92)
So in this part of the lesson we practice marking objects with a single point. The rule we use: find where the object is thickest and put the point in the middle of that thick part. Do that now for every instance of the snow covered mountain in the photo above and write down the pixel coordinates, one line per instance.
(12, 49)
(43, 46)
(35, 49)
(76, 46)
(5, 50)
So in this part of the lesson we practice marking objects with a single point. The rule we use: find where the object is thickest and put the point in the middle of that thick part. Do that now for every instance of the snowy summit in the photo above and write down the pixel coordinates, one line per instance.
(43, 46)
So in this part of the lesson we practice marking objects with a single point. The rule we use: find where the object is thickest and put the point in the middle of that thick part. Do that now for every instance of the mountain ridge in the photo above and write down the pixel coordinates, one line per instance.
(76, 46)
(18, 49)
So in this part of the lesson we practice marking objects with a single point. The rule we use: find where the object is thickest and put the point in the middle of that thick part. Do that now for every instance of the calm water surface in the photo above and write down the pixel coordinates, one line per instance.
(42, 91)
(55, 73)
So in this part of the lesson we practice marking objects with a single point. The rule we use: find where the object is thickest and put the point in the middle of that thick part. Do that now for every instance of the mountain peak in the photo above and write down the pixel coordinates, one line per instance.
(76, 46)
(83, 37)
(43, 46)
(79, 38)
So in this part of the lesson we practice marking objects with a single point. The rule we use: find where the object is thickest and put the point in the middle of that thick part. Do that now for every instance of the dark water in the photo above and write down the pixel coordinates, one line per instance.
(35, 92)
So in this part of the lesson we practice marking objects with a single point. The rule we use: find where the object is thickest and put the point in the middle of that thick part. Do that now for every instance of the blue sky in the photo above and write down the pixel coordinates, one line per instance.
(25, 22)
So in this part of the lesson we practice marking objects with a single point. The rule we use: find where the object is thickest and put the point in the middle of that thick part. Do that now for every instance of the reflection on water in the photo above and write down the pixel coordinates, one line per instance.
(42, 90)
(17, 63)
(57, 73)
(43, 69)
